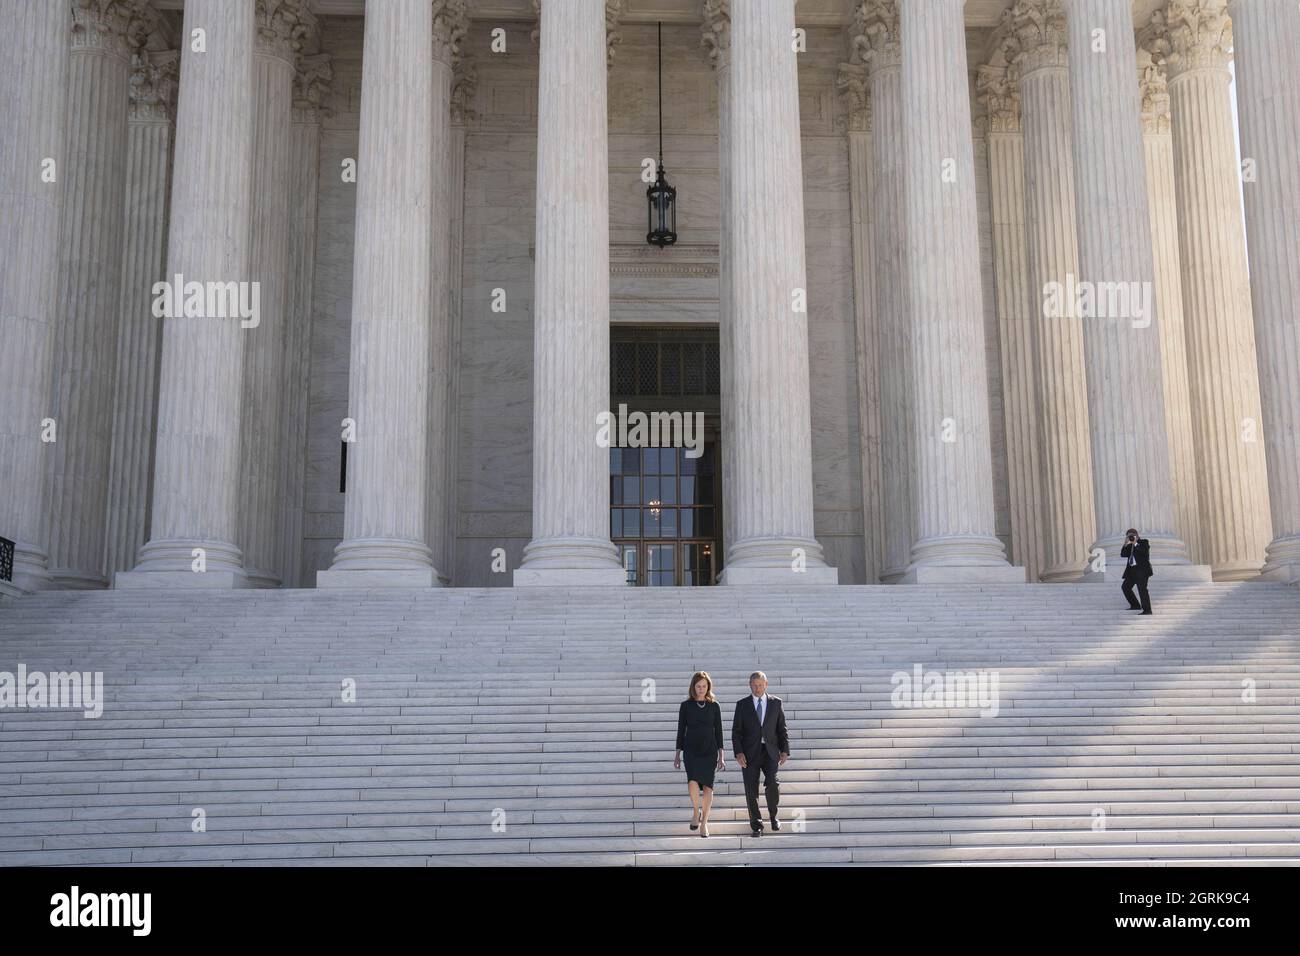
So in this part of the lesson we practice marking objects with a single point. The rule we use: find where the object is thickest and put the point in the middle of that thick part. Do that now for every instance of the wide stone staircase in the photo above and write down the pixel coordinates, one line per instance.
(536, 726)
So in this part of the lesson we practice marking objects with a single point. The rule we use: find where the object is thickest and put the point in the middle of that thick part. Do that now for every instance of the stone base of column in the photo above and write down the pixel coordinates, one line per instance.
(570, 562)
(749, 576)
(31, 571)
(1283, 560)
(169, 564)
(569, 577)
(380, 563)
(964, 574)
(1063, 575)
(62, 580)
(261, 579)
(1172, 573)
(8, 590)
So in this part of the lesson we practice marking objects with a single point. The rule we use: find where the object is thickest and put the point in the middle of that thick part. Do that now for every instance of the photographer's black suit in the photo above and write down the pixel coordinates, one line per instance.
(762, 747)
(1137, 572)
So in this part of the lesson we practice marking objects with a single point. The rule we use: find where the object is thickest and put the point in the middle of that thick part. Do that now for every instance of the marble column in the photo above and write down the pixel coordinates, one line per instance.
(1132, 485)
(33, 176)
(1040, 59)
(570, 543)
(388, 385)
(150, 129)
(90, 273)
(449, 26)
(1158, 148)
(279, 32)
(464, 80)
(767, 410)
(853, 85)
(1224, 380)
(312, 78)
(956, 540)
(195, 524)
(716, 39)
(882, 53)
(1018, 314)
(1266, 37)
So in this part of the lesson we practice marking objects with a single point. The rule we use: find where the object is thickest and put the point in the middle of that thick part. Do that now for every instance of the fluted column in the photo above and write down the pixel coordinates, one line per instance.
(195, 524)
(449, 26)
(90, 267)
(1041, 61)
(852, 83)
(388, 383)
(882, 53)
(767, 409)
(1158, 148)
(150, 129)
(1226, 414)
(570, 543)
(715, 36)
(1019, 313)
(311, 83)
(279, 29)
(464, 80)
(1130, 455)
(1266, 38)
(33, 177)
(955, 535)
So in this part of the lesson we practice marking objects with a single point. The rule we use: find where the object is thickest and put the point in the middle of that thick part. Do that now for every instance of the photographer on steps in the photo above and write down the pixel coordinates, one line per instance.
(1137, 571)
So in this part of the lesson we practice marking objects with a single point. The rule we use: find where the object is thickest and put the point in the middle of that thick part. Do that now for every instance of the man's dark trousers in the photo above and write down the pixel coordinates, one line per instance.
(767, 765)
(1139, 581)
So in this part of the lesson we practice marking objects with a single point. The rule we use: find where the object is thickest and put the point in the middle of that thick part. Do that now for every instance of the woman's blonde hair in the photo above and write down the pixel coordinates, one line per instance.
(695, 679)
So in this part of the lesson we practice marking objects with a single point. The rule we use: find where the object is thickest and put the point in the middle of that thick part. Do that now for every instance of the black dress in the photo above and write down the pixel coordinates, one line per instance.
(699, 738)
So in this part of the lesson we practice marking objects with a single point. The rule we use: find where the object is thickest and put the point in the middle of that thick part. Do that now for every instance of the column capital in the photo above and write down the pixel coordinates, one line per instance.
(312, 78)
(1154, 88)
(1036, 38)
(997, 91)
(851, 82)
(1190, 35)
(715, 32)
(106, 26)
(464, 84)
(281, 27)
(450, 24)
(875, 35)
(154, 82)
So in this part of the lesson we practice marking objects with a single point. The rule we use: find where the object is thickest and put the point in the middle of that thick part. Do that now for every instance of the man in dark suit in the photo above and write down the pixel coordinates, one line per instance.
(761, 744)
(1137, 570)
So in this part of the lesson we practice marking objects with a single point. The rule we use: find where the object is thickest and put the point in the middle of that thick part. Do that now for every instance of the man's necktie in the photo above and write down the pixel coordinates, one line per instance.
(760, 713)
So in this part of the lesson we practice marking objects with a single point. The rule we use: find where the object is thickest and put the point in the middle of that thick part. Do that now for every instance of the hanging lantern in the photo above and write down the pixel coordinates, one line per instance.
(660, 195)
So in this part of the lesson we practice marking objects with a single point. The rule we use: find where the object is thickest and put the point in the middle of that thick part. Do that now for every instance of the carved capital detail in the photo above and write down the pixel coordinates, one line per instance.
(715, 32)
(106, 26)
(155, 80)
(855, 91)
(1037, 35)
(281, 28)
(312, 78)
(874, 40)
(450, 24)
(1154, 88)
(1190, 35)
(464, 84)
(997, 91)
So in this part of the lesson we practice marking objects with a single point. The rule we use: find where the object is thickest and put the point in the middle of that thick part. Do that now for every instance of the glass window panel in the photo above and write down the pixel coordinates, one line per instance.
(631, 491)
(688, 490)
(631, 461)
(616, 490)
(649, 460)
(615, 461)
(667, 461)
(704, 464)
(704, 490)
(704, 522)
(668, 523)
(650, 490)
(631, 522)
(686, 522)
(668, 490)
(616, 523)
(651, 524)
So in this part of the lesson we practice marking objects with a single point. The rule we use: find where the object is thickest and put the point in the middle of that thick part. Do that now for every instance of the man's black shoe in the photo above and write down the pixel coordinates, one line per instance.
(776, 824)
(756, 831)
(1136, 607)
(1146, 612)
